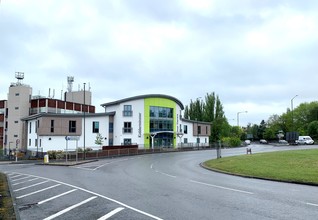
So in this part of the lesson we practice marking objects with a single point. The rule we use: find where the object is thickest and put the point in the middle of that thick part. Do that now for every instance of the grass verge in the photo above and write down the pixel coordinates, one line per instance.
(299, 166)
(6, 205)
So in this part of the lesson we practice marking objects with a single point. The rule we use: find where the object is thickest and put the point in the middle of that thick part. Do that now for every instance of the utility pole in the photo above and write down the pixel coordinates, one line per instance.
(84, 123)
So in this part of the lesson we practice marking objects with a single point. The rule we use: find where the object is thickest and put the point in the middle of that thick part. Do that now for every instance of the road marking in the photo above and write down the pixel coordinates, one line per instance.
(110, 214)
(69, 208)
(57, 196)
(41, 190)
(166, 174)
(221, 187)
(30, 186)
(16, 176)
(312, 204)
(98, 166)
(15, 180)
(104, 197)
(25, 181)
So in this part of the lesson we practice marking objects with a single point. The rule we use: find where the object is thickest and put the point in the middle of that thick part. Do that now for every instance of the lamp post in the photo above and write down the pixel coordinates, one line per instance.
(198, 138)
(238, 117)
(292, 111)
(84, 123)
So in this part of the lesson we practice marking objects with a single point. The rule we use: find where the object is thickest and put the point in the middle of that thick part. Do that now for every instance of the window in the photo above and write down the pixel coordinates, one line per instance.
(95, 126)
(16, 108)
(199, 129)
(160, 112)
(36, 142)
(72, 126)
(16, 122)
(17, 94)
(29, 142)
(127, 127)
(185, 140)
(30, 127)
(15, 135)
(110, 142)
(52, 126)
(127, 110)
(111, 127)
(185, 129)
(127, 141)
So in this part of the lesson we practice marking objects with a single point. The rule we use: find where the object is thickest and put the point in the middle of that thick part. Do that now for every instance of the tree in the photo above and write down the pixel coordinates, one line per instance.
(99, 139)
(261, 130)
(209, 111)
(313, 129)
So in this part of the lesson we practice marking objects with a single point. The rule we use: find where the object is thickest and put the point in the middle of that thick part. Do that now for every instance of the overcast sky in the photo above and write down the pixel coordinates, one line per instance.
(256, 55)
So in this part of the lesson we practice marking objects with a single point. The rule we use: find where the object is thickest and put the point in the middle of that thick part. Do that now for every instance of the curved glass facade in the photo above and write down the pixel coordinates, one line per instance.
(161, 120)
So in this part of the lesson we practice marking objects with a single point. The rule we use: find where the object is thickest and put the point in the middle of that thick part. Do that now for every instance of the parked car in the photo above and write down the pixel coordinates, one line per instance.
(262, 141)
(282, 142)
(305, 140)
(247, 142)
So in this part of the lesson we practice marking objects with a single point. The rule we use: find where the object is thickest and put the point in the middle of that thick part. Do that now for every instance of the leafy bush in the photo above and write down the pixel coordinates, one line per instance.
(231, 141)
(55, 155)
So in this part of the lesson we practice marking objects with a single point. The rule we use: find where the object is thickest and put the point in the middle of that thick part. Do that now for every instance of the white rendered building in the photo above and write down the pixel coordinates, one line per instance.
(149, 121)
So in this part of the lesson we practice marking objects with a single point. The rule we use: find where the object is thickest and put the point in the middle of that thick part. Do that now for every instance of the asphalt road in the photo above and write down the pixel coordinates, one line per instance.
(157, 186)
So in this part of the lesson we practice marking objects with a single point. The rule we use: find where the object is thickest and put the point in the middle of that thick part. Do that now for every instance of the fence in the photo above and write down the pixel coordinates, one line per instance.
(108, 152)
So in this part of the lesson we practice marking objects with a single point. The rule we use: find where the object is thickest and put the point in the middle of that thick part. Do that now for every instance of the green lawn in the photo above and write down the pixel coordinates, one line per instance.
(296, 165)
(6, 206)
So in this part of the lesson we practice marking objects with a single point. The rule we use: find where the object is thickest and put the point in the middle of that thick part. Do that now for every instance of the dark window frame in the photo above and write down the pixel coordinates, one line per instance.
(72, 126)
(95, 127)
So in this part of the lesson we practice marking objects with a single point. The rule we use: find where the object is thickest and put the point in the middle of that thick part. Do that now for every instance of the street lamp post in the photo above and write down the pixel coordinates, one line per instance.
(84, 123)
(238, 117)
(292, 111)
(198, 138)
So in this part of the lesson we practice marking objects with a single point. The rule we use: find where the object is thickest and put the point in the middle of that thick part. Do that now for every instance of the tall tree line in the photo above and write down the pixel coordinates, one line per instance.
(209, 110)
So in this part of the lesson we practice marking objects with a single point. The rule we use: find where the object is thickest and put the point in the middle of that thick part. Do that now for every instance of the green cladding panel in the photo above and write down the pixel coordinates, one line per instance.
(160, 102)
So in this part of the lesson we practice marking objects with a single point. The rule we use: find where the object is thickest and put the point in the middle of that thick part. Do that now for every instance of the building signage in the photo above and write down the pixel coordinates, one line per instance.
(139, 125)
(72, 138)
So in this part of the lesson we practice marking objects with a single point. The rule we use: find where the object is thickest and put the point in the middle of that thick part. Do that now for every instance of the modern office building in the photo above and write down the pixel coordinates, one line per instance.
(41, 124)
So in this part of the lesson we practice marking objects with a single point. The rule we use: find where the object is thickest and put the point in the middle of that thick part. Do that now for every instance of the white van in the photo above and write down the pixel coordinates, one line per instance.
(305, 140)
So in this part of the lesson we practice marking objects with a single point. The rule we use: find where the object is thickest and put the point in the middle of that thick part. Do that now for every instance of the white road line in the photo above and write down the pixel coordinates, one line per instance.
(25, 181)
(41, 190)
(110, 214)
(101, 166)
(23, 178)
(30, 186)
(312, 204)
(16, 176)
(104, 197)
(98, 166)
(69, 208)
(57, 196)
(166, 174)
(221, 187)
(82, 168)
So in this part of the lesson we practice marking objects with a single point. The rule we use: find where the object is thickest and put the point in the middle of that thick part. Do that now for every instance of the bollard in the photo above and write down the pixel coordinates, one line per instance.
(248, 150)
(218, 150)
(46, 158)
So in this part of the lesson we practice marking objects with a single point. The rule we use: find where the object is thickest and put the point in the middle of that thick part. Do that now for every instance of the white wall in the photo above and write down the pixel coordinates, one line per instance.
(119, 136)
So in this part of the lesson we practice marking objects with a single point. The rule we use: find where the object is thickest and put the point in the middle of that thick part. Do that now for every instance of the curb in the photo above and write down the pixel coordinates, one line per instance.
(67, 164)
(15, 208)
(255, 177)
